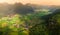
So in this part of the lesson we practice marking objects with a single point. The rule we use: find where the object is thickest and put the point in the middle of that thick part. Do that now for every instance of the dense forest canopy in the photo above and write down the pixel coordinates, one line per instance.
(29, 19)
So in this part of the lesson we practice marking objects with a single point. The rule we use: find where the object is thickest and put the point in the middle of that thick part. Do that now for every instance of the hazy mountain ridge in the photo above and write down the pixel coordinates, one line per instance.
(6, 9)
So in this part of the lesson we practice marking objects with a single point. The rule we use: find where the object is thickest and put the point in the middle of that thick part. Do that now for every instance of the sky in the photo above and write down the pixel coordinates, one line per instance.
(39, 2)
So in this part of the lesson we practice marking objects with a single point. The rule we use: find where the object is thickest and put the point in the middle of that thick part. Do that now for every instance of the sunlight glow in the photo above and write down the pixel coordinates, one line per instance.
(40, 2)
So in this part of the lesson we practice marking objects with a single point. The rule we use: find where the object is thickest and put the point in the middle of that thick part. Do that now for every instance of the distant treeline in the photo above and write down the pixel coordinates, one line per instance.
(8, 9)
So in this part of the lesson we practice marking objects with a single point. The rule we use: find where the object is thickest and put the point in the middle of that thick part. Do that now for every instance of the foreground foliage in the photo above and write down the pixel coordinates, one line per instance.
(41, 23)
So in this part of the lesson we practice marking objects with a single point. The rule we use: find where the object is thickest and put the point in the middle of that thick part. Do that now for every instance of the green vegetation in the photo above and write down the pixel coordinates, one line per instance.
(29, 19)
(22, 24)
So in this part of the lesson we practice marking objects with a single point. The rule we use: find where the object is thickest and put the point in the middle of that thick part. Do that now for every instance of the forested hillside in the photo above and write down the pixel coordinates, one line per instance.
(19, 19)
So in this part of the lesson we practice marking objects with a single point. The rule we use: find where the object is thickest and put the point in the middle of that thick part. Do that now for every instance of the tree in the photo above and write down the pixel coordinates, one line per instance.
(23, 9)
(53, 23)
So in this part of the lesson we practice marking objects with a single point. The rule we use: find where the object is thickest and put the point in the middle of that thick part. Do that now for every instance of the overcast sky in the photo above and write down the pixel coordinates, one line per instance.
(40, 2)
